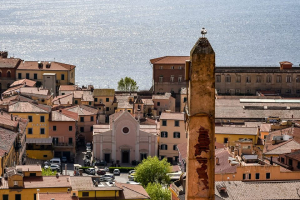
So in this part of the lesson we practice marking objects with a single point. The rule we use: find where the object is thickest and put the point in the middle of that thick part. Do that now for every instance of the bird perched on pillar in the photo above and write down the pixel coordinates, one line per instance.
(203, 32)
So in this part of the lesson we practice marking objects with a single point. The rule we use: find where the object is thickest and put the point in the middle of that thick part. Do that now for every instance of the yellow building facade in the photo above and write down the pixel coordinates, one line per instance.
(34, 70)
(172, 133)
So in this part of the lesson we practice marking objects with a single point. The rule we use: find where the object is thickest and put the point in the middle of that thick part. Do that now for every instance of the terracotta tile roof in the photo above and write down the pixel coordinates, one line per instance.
(182, 149)
(172, 116)
(9, 62)
(63, 99)
(294, 155)
(85, 183)
(170, 60)
(7, 139)
(282, 148)
(236, 130)
(29, 168)
(148, 102)
(34, 90)
(165, 96)
(265, 127)
(218, 145)
(224, 166)
(259, 189)
(67, 87)
(148, 121)
(28, 107)
(84, 95)
(60, 115)
(11, 90)
(57, 196)
(83, 110)
(55, 66)
(103, 92)
(7, 100)
(47, 182)
(132, 191)
(123, 102)
(26, 82)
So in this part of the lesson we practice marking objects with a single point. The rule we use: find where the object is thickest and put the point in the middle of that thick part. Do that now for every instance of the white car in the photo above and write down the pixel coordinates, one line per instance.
(53, 167)
(116, 172)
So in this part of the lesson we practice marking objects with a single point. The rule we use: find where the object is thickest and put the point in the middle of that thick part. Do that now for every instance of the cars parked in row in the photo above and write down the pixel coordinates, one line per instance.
(116, 172)
(53, 167)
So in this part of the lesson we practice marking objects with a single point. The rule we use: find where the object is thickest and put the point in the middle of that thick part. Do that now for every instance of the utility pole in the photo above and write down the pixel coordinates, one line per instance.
(200, 118)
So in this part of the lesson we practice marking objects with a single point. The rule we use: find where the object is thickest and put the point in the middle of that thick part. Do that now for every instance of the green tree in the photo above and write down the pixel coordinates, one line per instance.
(156, 191)
(153, 170)
(127, 84)
(48, 172)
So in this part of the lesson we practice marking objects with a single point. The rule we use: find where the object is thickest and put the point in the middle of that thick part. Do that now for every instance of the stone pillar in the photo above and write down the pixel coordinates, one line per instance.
(201, 121)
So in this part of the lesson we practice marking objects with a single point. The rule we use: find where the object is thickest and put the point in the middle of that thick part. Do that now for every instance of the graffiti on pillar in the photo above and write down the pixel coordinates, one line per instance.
(202, 145)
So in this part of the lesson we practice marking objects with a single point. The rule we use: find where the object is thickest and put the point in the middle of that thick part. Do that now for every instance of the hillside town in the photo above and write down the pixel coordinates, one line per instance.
(47, 118)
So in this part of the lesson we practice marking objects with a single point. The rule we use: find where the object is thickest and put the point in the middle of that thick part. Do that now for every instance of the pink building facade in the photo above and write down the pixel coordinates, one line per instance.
(124, 139)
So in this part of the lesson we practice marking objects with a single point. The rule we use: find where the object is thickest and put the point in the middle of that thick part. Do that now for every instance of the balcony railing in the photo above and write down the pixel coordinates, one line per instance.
(63, 144)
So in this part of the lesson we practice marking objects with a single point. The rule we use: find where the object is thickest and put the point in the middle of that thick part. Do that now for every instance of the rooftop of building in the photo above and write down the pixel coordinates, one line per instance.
(34, 90)
(103, 92)
(148, 102)
(9, 62)
(57, 196)
(170, 60)
(282, 148)
(28, 107)
(84, 95)
(161, 96)
(67, 87)
(63, 99)
(29, 168)
(26, 82)
(224, 166)
(235, 109)
(172, 116)
(130, 191)
(82, 110)
(295, 154)
(12, 90)
(54, 66)
(88, 183)
(265, 127)
(124, 102)
(258, 189)
(63, 116)
(7, 100)
(235, 130)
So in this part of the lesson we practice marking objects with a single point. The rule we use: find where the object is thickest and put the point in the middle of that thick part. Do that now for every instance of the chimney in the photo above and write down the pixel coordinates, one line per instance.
(285, 65)
(271, 161)
(40, 64)
(38, 194)
(217, 160)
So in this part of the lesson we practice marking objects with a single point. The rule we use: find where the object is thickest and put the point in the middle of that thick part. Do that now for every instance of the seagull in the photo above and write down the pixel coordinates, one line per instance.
(203, 32)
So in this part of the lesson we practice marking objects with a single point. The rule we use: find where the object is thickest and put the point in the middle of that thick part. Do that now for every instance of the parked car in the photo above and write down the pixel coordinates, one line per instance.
(64, 159)
(101, 172)
(89, 145)
(131, 171)
(53, 167)
(116, 172)
(131, 176)
(90, 171)
(133, 183)
(88, 148)
(108, 177)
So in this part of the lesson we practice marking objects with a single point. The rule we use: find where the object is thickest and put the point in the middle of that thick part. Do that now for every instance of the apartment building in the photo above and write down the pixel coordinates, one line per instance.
(172, 133)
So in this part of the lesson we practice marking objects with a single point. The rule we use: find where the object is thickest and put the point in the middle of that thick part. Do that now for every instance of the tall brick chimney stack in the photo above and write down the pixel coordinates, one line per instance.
(200, 74)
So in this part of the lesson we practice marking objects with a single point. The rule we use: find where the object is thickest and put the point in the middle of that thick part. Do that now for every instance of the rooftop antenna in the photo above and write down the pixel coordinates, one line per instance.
(203, 32)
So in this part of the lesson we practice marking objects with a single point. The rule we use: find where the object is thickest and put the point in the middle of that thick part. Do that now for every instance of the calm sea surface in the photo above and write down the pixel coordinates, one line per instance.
(110, 39)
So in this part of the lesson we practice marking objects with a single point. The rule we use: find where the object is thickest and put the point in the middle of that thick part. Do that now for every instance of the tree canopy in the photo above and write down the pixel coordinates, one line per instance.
(127, 84)
(153, 170)
(156, 191)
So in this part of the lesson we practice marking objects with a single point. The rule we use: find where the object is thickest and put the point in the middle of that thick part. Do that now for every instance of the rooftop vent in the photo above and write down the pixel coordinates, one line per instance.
(48, 65)
(40, 65)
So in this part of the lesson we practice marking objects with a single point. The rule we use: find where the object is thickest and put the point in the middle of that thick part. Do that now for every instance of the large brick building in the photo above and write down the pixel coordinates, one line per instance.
(8, 68)
(168, 73)
(282, 80)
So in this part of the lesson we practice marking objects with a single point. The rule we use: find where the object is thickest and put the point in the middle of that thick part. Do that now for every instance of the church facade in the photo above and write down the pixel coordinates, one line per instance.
(124, 139)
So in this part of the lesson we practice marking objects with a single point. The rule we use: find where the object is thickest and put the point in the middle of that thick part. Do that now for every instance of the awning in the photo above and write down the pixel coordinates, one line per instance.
(39, 141)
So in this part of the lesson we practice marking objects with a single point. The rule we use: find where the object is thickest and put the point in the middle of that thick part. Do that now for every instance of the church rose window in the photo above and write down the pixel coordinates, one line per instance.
(125, 130)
